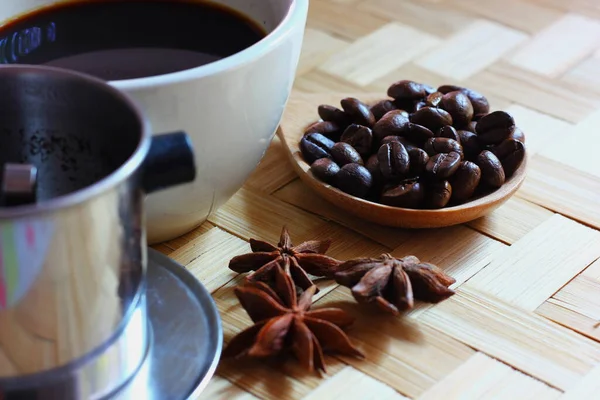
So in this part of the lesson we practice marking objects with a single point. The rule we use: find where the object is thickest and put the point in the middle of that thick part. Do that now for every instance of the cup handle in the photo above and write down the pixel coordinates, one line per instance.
(169, 162)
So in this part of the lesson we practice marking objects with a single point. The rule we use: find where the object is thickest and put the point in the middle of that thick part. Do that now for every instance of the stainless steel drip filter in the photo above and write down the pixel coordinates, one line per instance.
(77, 159)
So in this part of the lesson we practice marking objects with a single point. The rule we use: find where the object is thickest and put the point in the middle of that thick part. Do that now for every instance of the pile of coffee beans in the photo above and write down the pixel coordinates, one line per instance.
(422, 148)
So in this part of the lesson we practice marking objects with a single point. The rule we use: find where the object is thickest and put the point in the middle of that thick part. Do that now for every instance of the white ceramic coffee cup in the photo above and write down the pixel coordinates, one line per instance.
(230, 108)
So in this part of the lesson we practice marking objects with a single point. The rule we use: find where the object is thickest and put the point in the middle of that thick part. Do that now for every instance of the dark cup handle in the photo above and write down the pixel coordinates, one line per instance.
(169, 162)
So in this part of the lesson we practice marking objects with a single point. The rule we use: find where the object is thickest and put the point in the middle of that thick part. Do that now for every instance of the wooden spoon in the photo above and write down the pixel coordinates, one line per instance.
(301, 111)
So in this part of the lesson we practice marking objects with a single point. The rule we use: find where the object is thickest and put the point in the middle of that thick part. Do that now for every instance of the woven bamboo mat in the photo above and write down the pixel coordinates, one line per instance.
(525, 320)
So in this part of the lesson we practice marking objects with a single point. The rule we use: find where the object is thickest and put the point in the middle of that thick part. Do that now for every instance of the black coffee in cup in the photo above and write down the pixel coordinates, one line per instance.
(127, 39)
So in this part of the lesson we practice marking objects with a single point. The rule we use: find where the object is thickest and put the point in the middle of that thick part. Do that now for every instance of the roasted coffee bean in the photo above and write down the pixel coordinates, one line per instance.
(443, 165)
(418, 160)
(393, 123)
(478, 101)
(495, 127)
(464, 181)
(459, 107)
(326, 128)
(354, 179)
(434, 99)
(325, 169)
(360, 137)
(511, 154)
(373, 167)
(407, 194)
(417, 133)
(383, 107)
(409, 90)
(517, 134)
(438, 145)
(438, 194)
(315, 146)
(404, 112)
(428, 89)
(343, 153)
(358, 112)
(472, 127)
(470, 144)
(406, 105)
(407, 143)
(448, 132)
(393, 160)
(419, 105)
(431, 118)
(492, 172)
(481, 106)
(333, 114)
(449, 88)
(389, 139)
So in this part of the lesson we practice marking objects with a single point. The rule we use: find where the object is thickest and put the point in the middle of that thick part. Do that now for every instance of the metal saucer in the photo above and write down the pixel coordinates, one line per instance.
(187, 336)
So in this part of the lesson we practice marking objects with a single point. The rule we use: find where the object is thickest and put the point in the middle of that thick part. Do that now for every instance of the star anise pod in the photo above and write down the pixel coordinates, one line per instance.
(284, 323)
(393, 283)
(296, 261)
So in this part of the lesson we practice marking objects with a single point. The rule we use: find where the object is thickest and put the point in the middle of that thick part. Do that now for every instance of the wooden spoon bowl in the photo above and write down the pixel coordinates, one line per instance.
(301, 111)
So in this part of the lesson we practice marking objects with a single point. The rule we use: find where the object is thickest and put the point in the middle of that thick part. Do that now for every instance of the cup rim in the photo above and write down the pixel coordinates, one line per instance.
(133, 163)
(295, 15)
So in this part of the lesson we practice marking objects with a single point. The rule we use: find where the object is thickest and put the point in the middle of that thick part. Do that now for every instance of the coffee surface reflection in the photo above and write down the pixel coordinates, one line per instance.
(127, 39)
